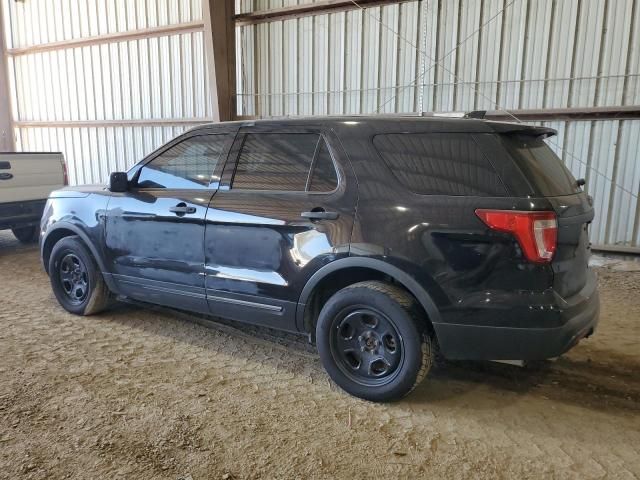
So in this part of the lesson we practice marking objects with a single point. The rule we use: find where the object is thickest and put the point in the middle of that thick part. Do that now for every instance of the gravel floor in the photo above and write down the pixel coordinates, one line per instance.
(137, 393)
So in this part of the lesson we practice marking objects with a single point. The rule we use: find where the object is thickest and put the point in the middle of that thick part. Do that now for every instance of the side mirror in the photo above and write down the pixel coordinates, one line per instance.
(118, 182)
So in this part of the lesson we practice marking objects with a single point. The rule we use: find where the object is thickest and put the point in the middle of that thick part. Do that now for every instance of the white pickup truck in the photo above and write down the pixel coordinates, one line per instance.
(26, 179)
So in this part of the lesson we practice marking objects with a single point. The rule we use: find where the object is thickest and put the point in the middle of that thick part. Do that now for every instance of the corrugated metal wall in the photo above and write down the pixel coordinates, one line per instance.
(105, 105)
(462, 55)
(100, 103)
(442, 55)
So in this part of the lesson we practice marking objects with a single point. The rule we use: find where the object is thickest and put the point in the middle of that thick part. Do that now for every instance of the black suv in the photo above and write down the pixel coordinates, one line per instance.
(383, 239)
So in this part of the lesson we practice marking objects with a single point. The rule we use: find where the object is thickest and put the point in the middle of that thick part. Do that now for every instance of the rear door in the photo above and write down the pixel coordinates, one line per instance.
(29, 176)
(155, 232)
(285, 208)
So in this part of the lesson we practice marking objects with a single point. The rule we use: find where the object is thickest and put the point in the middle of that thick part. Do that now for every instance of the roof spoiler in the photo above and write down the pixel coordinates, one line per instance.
(532, 131)
(479, 114)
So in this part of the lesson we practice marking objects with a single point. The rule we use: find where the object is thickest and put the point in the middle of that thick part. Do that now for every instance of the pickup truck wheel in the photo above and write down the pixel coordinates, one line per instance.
(372, 341)
(26, 234)
(76, 281)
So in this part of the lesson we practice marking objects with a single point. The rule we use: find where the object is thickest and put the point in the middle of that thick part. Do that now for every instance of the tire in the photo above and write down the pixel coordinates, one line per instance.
(373, 342)
(75, 279)
(26, 234)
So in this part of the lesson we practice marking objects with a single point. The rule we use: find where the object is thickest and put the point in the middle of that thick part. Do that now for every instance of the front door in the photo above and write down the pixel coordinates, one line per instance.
(155, 231)
(285, 208)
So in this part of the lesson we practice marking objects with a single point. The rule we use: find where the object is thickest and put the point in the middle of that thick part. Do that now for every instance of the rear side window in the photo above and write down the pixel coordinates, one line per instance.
(293, 162)
(540, 165)
(439, 164)
(275, 161)
(188, 164)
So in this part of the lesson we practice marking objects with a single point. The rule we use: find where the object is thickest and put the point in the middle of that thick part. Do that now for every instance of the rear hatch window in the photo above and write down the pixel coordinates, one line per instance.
(542, 167)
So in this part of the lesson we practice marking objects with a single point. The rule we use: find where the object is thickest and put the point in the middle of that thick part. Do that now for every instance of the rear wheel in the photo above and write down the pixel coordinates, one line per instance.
(372, 341)
(26, 234)
(75, 279)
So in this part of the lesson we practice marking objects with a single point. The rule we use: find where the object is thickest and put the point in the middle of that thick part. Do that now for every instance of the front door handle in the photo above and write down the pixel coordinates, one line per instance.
(182, 209)
(320, 215)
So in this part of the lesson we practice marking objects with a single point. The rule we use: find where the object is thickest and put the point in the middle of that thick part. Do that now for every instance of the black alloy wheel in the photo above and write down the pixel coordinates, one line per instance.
(74, 278)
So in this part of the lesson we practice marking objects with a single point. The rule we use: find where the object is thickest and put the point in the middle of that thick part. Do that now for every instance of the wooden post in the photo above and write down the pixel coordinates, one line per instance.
(7, 141)
(220, 47)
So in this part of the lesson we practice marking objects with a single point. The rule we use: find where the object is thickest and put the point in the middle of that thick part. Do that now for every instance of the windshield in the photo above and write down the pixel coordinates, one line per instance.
(541, 165)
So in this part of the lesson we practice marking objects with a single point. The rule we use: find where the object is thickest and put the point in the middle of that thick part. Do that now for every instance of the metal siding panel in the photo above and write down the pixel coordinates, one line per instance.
(614, 53)
(263, 66)
(625, 200)
(489, 55)
(387, 74)
(467, 55)
(560, 51)
(354, 54)
(428, 53)
(632, 90)
(290, 62)
(599, 185)
(586, 53)
(577, 148)
(370, 60)
(408, 56)
(275, 69)
(536, 49)
(247, 67)
(320, 63)
(512, 48)
(336, 62)
(446, 55)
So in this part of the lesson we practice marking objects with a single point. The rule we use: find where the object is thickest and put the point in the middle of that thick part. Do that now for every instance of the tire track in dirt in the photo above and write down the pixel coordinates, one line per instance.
(161, 394)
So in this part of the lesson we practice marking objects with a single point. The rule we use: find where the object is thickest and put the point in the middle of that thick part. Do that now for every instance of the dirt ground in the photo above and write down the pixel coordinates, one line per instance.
(142, 394)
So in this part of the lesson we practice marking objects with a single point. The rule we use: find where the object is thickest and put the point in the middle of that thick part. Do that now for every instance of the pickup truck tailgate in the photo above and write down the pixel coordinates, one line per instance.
(29, 176)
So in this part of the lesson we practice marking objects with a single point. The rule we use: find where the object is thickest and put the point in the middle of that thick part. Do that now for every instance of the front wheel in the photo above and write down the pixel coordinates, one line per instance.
(75, 279)
(372, 341)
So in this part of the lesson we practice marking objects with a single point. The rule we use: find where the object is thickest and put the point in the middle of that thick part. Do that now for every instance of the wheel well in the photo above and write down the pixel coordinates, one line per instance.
(340, 279)
(53, 238)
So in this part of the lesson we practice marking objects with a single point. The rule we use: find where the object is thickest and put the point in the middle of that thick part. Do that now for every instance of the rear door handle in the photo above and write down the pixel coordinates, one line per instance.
(320, 215)
(182, 209)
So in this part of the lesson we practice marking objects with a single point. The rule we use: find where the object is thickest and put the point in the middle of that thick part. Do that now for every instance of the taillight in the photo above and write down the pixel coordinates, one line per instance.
(65, 175)
(536, 232)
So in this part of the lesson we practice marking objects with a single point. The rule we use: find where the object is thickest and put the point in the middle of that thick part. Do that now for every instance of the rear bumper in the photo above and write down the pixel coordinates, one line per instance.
(578, 318)
(21, 214)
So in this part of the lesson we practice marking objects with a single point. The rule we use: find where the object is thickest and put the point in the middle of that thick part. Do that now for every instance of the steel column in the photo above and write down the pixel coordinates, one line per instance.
(7, 141)
(220, 47)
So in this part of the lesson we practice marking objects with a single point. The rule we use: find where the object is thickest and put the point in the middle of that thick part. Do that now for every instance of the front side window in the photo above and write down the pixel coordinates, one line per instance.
(188, 164)
(293, 162)
(439, 164)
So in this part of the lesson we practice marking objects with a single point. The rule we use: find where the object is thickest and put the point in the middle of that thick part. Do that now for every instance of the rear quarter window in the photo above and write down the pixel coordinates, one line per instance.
(439, 164)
